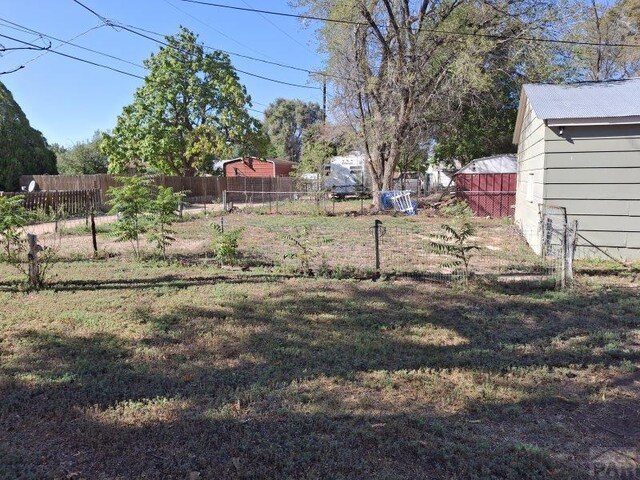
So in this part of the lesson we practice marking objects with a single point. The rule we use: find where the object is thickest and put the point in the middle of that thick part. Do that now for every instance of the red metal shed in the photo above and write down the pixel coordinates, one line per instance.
(488, 194)
(488, 185)
(255, 167)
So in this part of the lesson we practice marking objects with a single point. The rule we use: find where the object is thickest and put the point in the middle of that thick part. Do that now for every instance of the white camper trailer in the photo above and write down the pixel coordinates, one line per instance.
(347, 174)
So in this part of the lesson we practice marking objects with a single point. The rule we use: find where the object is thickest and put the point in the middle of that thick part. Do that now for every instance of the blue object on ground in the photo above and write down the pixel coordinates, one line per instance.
(387, 204)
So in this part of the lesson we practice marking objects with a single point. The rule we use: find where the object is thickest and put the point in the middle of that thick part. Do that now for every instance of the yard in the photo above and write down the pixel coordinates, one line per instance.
(185, 369)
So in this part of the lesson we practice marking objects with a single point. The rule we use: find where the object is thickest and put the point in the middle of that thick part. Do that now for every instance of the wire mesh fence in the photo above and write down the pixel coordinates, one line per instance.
(338, 246)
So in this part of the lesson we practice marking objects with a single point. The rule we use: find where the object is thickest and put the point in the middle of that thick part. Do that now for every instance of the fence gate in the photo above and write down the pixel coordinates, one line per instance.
(559, 236)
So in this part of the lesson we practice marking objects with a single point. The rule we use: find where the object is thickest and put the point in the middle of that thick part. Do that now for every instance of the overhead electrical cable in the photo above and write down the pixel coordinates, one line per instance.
(212, 28)
(69, 42)
(277, 27)
(121, 26)
(269, 79)
(84, 60)
(248, 57)
(431, 30)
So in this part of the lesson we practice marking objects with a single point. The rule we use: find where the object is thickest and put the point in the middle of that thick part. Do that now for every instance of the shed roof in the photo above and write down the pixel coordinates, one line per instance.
(502, 163)
(588, 103)
(585, 100)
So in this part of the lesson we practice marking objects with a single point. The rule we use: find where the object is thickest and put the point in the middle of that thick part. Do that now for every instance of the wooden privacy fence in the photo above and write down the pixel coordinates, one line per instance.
(199, 189)
(67, 202)
(488, 194)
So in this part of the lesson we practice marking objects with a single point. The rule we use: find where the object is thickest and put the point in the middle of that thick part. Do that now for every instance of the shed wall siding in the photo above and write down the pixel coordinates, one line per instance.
(594, 172)
(240, 168)
(531, 160)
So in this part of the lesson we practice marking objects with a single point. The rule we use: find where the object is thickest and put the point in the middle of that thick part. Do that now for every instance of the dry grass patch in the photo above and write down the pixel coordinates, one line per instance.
(155, 370)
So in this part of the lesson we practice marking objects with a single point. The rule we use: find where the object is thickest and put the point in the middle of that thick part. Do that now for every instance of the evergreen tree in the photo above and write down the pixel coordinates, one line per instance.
(23, 150)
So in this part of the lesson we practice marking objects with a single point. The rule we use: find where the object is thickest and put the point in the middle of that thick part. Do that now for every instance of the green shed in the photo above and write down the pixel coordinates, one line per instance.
(579, 150)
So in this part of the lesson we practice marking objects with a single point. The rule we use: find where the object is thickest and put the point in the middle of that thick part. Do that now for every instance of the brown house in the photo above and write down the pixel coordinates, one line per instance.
(255, 167)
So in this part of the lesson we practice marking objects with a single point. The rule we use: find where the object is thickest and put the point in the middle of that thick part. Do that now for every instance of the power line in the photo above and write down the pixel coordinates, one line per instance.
(76, 58)
(7, 72)
(165, 44)
(219, 32)
(437, 31)
(277, 27)
(24, 29)
(248, 57)
(67, 42)
(105, 20)
(130, 29)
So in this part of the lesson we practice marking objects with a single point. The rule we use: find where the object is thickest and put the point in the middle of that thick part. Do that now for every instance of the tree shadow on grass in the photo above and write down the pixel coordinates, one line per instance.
(266, 389)
(172, 281)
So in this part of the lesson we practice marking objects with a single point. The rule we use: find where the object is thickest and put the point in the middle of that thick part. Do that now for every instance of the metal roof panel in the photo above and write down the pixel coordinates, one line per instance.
(611, 99)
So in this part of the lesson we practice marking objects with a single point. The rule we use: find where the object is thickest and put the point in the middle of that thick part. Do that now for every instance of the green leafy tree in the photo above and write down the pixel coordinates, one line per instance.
(609, 25)
(23, 150)
(13, 218)
(131, 201)
(479, 129)
(83, 158)
(164, 212)
(454, 243)
(321, 142)
(286, 121)
(391, 81)
(190, 111)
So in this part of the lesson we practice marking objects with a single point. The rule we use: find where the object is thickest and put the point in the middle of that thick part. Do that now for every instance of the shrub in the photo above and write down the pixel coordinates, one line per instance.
(225, 244)
(130, 202)
(453, 242)
(13, 218)
(164, 212)
(457, 209)
(302, 250)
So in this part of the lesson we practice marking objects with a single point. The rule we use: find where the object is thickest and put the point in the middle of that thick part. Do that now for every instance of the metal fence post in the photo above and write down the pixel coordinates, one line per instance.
(376, 234)
(224, 200)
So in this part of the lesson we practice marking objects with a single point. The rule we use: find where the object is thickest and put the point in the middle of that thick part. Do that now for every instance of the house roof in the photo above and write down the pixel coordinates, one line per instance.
(280, 161)
(589, 103)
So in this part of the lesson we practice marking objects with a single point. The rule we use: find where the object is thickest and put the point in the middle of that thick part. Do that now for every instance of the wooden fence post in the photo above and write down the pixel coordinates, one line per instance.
(93, 234)
(34, 267)
(569, 239)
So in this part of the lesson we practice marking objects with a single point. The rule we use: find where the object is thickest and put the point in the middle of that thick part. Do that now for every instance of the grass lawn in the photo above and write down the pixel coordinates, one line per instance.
(153, 370)
(334, 243)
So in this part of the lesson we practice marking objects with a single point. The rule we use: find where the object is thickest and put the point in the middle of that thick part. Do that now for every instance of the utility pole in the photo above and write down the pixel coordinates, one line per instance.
(324, 98)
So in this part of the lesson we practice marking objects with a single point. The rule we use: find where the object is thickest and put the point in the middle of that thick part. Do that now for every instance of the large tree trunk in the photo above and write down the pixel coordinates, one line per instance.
(382, 166)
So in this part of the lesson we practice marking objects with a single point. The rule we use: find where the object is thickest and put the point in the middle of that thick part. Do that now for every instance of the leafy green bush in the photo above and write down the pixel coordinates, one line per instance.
(131, 201)
(13, 218)
(164, 212)
(457, 209)
(453, 243)
(225, 243)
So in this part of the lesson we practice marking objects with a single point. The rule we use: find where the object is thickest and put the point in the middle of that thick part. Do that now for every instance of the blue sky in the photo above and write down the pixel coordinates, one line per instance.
(67, 100)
